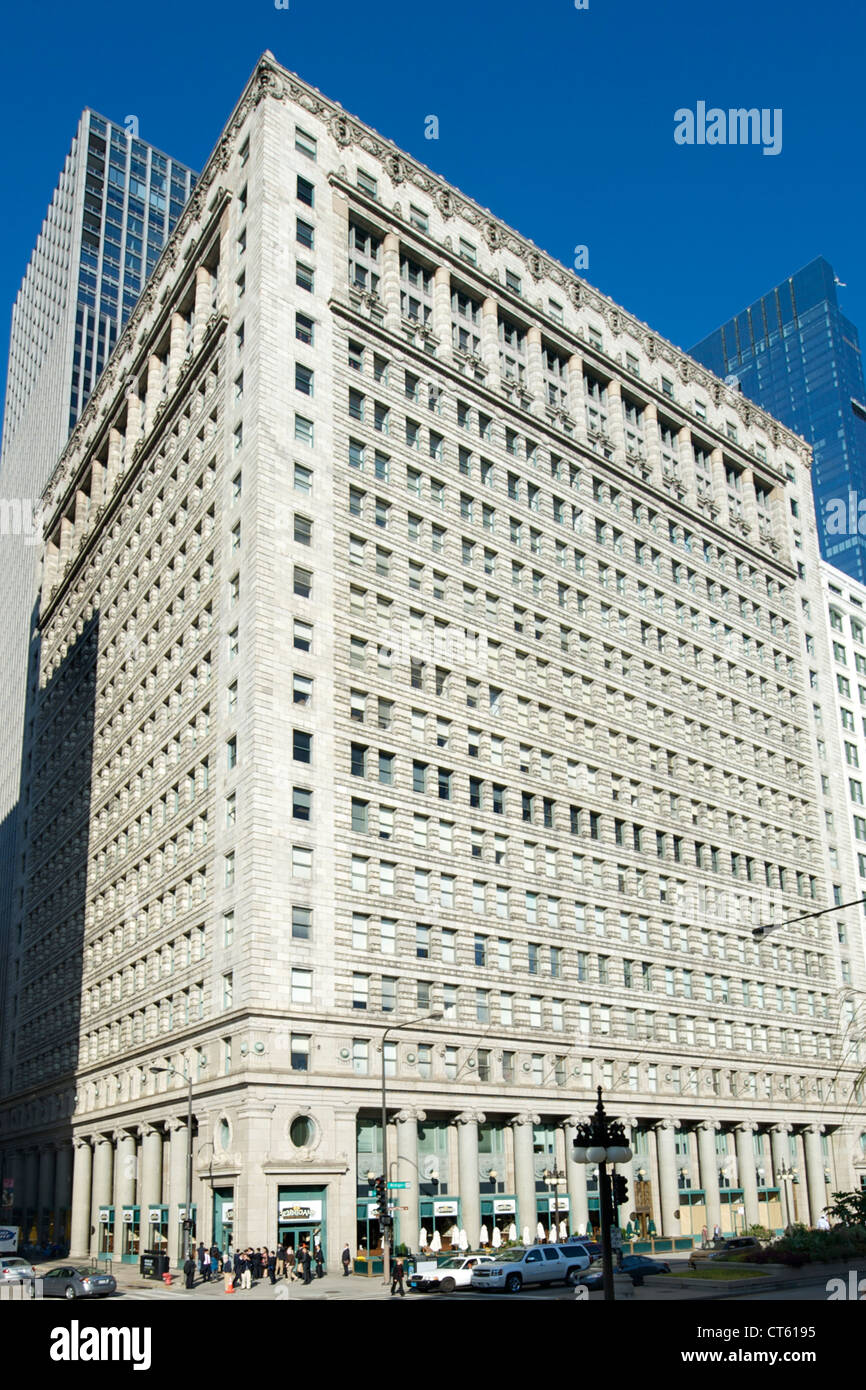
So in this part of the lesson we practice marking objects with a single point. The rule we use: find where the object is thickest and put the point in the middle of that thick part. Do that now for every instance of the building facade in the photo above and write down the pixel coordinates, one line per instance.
(796, 354)
(116, 201)
(423, 687)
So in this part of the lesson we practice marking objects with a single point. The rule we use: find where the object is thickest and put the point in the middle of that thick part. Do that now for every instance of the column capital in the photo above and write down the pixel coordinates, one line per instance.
(145, 1129)
(101, 1139)
(470, 1117)
(525, 1119)
(814, 1129)
(118, 1135)
(667, 1123)
(782, 1128)
(745, 1127)
(79, 1141)
(175, 1122)
(410, 1114)
(711, 1125)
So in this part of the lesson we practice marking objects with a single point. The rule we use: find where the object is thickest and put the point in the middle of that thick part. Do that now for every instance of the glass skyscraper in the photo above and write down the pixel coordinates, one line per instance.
(116, 201)
(794, 353)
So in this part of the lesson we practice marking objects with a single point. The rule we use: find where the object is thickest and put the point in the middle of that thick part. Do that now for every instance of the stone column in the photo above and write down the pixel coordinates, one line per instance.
(115, 460)
(652, 442)
(45, 1188)
(816, 1186)
(177, 348)
(490, 340)
(133, 419)
(720, 484)
(781, 1159)
(750, 501)
(524, 1173)
(390, 283)
(407, 1171)
(668, 1187)
(687, 466)
(79, 1239)
(615, 423)
(576, 1175)
(124, 1170)
(203, 305)
(746, 1171)
(576, 390)
(150, 1187)
(153, 395)
(177, 1181)
(707, 1130)
(535, 368)
(101, 1192)
(467, 1159)
(62, 1189)
(441, 318)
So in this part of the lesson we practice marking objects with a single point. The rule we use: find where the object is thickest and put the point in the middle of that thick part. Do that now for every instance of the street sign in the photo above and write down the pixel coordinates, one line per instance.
(398, 1184)
(615, 1238)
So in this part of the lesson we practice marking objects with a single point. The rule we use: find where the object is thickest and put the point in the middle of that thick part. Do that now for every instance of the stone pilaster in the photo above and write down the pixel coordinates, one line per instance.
(467, 1160)
(524, 1173)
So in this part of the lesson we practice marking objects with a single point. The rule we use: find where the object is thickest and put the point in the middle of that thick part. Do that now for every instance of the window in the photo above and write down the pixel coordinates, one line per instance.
(300, 1052)
(302, 923)
(305, 276)
(302, 636)
(302, 986)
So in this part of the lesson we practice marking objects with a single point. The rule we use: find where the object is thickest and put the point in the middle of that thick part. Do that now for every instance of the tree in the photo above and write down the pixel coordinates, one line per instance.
(849, 1208)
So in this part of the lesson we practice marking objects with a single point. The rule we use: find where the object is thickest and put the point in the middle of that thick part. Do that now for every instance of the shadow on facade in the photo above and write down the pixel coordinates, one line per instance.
(45, 842)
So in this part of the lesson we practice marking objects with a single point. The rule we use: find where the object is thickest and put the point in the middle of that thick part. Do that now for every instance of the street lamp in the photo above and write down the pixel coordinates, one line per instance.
(602, 1141)
(386, 1227)
(787, 1175)
(187, 1225)
(554, 1178)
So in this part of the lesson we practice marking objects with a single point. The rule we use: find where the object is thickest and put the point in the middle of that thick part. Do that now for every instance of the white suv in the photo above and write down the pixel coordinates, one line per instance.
(534, 1264)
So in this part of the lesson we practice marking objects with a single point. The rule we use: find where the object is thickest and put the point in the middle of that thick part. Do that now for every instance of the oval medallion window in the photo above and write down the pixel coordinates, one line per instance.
(301, 1132)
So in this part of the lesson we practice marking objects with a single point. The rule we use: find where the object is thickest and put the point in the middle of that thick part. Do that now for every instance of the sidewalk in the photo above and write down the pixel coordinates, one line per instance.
(332, 1286)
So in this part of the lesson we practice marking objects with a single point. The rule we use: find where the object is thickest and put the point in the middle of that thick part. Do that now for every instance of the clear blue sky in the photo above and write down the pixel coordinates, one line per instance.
(559, 120)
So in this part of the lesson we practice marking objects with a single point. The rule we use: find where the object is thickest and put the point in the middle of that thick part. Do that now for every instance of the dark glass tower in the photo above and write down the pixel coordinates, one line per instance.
(796, 354)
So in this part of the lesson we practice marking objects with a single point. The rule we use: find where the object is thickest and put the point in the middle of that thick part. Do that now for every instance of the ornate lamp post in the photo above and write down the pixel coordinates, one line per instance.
(554, 1179)
(602, 1141)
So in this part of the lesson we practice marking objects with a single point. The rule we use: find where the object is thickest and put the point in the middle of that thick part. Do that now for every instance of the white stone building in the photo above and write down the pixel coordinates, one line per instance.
(420, 633)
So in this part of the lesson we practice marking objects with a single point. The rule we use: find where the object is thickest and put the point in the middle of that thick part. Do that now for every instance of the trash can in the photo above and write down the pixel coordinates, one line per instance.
(152, 1264)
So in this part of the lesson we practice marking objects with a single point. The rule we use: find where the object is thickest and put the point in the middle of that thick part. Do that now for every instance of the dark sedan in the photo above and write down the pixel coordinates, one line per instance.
(68, 1281)
(635, 1265)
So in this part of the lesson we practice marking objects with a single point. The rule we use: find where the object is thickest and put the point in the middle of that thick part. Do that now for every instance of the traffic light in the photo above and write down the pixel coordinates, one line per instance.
(620, 1190)
(382, 1195)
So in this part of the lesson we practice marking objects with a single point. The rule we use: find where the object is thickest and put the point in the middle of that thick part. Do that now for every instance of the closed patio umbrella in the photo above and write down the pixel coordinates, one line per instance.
(563, 1230)
(539, 1231)
(483, 1236)
(496, 1239)
(462, 1239)
(512, 1232)
(422, 1237)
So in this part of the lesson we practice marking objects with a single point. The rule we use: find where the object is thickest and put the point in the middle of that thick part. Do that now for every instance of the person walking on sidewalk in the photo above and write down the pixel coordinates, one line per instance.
(346, 1258)
(271, 1259)
(246, 1272)
(189, 1271)
(319, 1258)
(306, 1263)
(397, 1276)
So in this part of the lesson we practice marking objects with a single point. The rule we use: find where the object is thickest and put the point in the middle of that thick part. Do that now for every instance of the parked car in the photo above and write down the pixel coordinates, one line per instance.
(534, 1264)
(721, 1250)
(69, 1281)
(592, 1246)
(636, 1265)
(454, 1273)
(13, 1269)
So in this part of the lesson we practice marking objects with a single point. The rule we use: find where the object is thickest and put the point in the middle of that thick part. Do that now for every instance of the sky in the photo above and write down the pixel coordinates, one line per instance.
(560, 120)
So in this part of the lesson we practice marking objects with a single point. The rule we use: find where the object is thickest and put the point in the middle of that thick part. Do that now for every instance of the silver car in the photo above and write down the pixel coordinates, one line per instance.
(68, 1281)
(13, 1269)
(517, 1266)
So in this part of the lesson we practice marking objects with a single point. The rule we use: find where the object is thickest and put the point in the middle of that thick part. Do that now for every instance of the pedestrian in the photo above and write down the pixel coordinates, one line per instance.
(246, 1272)
(306, 1263)
(201, 1253)
(280, 1266)
(346, 1258)
(237, 1265)
(214, 1262)
(189, 1271)
(271, 1260)
(397, 1276)
(823, 1224)
(228, 1273)
(293, 1268)
(319, 1258)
